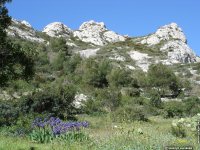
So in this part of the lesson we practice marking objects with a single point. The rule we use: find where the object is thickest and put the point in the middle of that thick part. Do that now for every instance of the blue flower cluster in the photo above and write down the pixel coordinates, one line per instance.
(58, 126)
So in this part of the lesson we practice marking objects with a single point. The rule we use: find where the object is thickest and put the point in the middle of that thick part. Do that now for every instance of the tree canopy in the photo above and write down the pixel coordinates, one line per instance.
(15, 61)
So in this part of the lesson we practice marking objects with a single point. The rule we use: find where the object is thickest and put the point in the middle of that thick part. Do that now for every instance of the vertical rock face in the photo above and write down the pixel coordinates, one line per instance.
(57, 29)
(179, 52)
(97, 33)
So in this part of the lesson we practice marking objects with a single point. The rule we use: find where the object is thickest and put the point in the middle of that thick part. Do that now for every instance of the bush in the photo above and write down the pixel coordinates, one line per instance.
(54, 100)
(104, 100)
(164, 79)
(130, 113)
(95, 73)
(173, 108)
(155, 99)
(121, 78)
(192, 106)
(8, 114)
(178, 131)
(130, 91)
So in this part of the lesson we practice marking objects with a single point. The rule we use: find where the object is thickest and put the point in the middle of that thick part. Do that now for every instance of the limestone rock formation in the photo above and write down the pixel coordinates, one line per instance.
(97, 33)
(24, 30)
(167, 32)
(57, 29)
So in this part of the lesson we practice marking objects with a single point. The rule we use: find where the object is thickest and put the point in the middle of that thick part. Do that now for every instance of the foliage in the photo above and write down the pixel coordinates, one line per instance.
(59, 45)
(16, 61)
(130, 91)
(57, 63)
(121, 78)
(173, 108)
(8, 113)
(155, 99)
(163, 78)
(178, 131)
(192, 105)
(95, 73)
(129, 113)
(54, 100)
(71, 64)
(106, 100)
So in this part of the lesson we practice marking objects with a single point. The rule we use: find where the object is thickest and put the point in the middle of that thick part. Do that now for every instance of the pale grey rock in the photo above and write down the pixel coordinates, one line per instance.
(57, 29)
(97, 33)
(112, 37)
(71, 44)
(130, 67)
(79, 100)
(15, 95)
(24, 30)
(179, 52)
(167, 32)
(88, 52)
(141, 59)
(117, 57)
(26, 23)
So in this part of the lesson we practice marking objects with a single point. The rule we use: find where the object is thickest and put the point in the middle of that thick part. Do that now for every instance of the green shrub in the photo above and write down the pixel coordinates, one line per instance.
(178, 131)
(95, 73)
(54, 100)
(121, 78)
(130, 91)
(192, 106)
(163, 78)
(173, 108)
(155, 99)
(8, 113)
(104, 100)
(130, 113)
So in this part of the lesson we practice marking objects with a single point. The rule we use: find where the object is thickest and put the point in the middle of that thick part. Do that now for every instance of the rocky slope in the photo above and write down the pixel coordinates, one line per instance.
(168, 41)
(23, 30)
(167, 45)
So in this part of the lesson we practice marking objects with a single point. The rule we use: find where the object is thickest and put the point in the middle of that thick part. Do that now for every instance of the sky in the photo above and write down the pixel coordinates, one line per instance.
(132, 17)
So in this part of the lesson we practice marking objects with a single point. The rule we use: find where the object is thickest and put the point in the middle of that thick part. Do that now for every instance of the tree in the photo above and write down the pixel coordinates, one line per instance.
(95, 73)
(14, 61)
(163, 79)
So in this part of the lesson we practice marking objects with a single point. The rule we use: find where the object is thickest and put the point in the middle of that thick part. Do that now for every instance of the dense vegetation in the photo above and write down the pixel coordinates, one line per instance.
(49, 76)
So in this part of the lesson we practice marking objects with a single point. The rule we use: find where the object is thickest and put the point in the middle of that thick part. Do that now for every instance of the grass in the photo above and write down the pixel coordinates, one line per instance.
(107, 135)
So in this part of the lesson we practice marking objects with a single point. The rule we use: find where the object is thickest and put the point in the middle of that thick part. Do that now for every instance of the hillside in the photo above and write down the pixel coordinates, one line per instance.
(168, 45)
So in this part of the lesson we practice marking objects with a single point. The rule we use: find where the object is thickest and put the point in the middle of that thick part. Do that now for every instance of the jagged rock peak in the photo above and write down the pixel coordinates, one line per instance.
(26, 23)
(24, 30)
(57, 29)
(93, 25)
(97, 33)
(167, 32)
(23, 22)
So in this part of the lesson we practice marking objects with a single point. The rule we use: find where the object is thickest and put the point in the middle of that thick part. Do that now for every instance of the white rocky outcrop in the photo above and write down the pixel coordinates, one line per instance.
(26, 23)
(88, 52)
(57, 29)
(179, 52)
(97, 33)
(24, 30)
(79, 100)
(167, 32)
(141, 59)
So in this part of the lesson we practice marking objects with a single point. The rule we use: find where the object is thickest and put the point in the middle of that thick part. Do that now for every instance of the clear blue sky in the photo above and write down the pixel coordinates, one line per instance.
(132, 17)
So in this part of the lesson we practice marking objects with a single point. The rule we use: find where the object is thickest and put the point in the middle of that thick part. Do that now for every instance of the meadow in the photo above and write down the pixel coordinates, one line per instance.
(104, 134)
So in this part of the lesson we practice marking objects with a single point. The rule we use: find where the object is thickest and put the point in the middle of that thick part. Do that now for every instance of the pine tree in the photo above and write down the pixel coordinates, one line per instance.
(12, 56)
